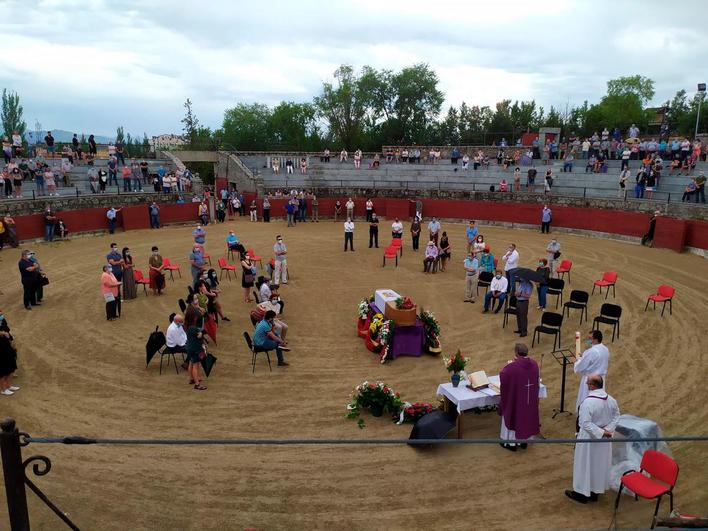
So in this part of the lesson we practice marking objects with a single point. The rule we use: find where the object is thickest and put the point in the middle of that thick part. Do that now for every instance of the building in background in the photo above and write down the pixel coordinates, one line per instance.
(166, 142)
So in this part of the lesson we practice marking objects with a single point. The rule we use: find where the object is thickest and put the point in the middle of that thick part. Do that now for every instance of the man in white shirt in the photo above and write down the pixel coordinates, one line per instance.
(369, 209)
(276, 305)
(434, 229)
(471, 265)
(553, 247)
(349, 234)
(397, 229)
(350, 209)
(497, 291)
(633, 131)
(176, 337)
(511, 262)
(597, 419)
(280, 274)
(595, 360)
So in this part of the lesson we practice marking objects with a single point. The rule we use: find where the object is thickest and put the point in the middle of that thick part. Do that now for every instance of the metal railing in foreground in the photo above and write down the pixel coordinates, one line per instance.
(15, 468)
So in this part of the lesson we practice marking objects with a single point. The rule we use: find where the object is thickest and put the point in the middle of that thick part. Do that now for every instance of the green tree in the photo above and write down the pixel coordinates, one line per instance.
(190, 125)
(344, 106)
(11, 114)
(417, 101)
(294, 126)
(120, 136)
(640, 86)
(247, 127)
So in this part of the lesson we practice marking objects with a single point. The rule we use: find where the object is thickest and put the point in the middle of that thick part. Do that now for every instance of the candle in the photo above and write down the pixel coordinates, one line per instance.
(577, 343)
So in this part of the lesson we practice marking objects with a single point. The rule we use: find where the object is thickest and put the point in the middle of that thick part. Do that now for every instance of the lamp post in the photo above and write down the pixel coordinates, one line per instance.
(702, 92)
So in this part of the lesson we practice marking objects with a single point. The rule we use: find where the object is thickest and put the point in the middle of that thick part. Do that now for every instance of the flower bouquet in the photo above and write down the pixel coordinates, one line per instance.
(385, 337)
(414, 412)
(363, 322)
(432, 332)
(455, 364)
(376, 397)
(404, 303)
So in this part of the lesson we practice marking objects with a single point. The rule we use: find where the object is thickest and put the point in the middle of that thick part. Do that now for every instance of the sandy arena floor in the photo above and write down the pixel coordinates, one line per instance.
(82, 375)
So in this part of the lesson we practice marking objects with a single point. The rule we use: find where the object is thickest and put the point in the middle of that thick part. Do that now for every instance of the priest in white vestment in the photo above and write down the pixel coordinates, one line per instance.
(598, 417)
(594, 360)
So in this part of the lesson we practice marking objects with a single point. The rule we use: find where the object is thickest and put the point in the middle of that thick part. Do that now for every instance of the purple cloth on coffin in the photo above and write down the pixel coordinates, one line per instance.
(407, 340)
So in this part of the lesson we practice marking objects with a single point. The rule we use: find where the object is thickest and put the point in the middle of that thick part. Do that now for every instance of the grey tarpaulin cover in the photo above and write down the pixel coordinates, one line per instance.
(628, 455)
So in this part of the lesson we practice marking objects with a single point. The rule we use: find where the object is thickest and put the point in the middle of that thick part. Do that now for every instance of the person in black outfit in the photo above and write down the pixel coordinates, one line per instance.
(648, 238)
(374, 231)
(29, 272)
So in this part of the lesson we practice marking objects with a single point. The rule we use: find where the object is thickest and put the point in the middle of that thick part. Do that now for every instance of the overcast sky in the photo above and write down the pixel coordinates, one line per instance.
(91, 65)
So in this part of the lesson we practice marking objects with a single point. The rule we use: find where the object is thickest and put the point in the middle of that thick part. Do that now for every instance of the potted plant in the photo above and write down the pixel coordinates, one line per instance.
(376, 397)
(455, 364)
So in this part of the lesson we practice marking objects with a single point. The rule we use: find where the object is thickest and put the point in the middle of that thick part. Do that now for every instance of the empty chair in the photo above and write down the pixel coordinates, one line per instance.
(664, 293)
(564, 269)
(391, 253)
(398, 244)
(510, 309)
(609, 314)
(169, 266)
(578, 301)
(141, 280)
(550, 324)
(555, 287)
(656, 477)
(484, 280)
(255, 350)
(609, 279)
(224, 266)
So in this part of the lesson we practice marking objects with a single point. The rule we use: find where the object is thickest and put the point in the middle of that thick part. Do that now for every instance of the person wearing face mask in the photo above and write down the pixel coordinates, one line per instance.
(29, 272)
(196, 259)
(8, 359)
(478, 245)
(176, 337)
(130, 288)
(497, 291)
(471, 265)
(274, 304)
(594, 360)
(511, 262)
(542, 287)
(280, 273)
(157, 277)
(110, 289)
(115, 260)
(554, 253)
(486, 260)
(199, 236)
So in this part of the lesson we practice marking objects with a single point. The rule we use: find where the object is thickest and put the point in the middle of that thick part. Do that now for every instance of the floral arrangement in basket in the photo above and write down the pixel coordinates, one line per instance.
(385, 336)
(364, 307)
(456, 363)
(377, 322)
(432, 331)
(376, 397)
(414, 412)
(404, 303)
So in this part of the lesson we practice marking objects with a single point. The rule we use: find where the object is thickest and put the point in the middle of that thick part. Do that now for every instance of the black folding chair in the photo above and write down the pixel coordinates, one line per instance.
(578, 301)
(609, 314)
(509, 309)
(550, 324)
(182, 305)
(255, 350)
(484, 280)
(555, 287)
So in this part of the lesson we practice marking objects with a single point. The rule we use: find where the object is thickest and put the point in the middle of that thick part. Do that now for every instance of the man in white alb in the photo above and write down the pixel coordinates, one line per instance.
(598, 417)
(595, 360)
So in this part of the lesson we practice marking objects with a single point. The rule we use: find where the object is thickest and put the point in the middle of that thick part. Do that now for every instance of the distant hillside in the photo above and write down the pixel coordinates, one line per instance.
(66, 136)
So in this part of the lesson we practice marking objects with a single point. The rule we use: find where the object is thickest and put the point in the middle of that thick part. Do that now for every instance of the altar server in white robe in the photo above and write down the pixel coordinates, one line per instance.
(594, 360)
(598, 418)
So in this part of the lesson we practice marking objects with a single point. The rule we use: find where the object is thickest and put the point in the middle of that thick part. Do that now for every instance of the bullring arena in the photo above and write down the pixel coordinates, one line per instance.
(81, 375)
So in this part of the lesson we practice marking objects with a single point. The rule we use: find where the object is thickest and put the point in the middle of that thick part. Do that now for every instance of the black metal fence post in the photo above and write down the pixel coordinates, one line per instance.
(14, 473)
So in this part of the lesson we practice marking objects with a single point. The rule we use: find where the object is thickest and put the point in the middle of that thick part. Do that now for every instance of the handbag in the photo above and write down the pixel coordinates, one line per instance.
(43, 280)
(248, 278)
(556, 255)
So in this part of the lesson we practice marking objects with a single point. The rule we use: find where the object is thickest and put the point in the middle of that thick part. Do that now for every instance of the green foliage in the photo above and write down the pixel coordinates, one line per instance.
(190, 125)
(120, 136)
(640, 86)
(248, 127)
(11, 114)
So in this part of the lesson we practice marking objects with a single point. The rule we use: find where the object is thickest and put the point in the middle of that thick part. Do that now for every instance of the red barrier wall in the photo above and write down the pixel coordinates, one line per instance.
(670, 233)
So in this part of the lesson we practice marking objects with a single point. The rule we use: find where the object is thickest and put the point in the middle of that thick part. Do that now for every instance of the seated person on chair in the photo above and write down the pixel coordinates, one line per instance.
(273, 304)
(176, 337)
(431, 254)
(497, 291)
(267, 292)
(266, 339)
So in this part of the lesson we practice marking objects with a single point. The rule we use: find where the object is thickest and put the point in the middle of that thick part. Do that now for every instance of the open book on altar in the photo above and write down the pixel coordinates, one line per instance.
(478, 380)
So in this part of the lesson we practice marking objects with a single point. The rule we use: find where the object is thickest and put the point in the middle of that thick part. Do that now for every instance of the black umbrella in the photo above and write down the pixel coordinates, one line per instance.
(208, 363)
(524, 273)
(154, 343)
(434, 425)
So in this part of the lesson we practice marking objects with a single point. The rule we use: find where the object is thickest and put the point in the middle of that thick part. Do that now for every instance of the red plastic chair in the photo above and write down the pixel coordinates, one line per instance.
(664, 293)
(659, 467)
(496, 261)
(397, 243)
(254, 257)
(207, 257)
(141, 280)
(564, 268)
(391, 253)
(169, 266)
(608, 280)
(225, 266)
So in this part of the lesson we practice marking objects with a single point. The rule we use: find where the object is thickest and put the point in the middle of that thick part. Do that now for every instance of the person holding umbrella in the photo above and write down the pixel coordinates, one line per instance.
(523, 291)
(195, 348)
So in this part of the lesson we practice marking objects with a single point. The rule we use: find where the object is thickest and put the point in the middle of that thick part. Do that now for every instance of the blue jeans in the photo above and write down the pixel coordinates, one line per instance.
(269, 344)
(112, 177)
(302, 214)
(49, 233)
(512, 282)
(568, 166)
(126, 185)
(488, 298)
(137, 183)
(542, 295)
(639, 191)
(111, 226)
(154, 221)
